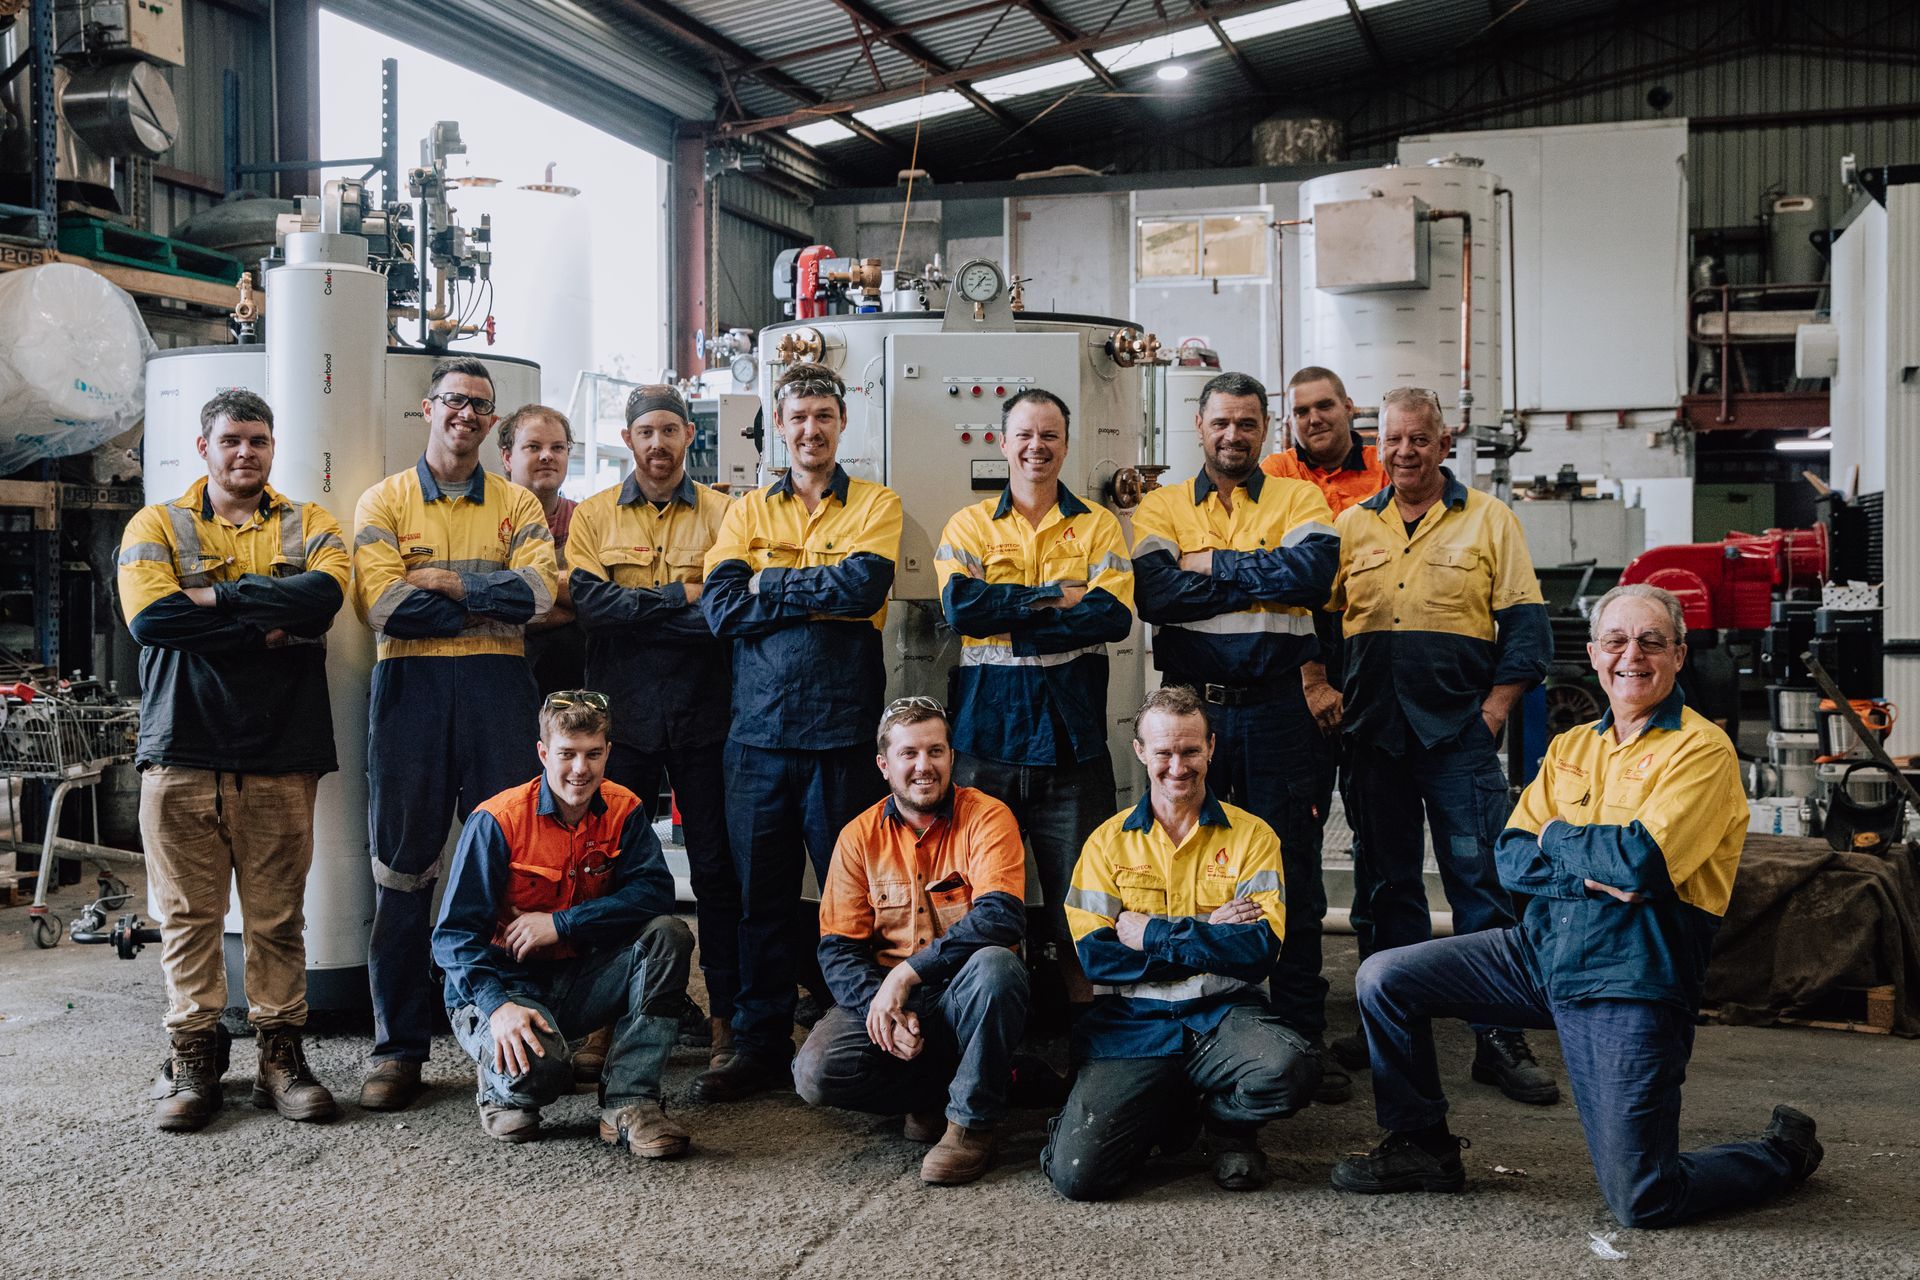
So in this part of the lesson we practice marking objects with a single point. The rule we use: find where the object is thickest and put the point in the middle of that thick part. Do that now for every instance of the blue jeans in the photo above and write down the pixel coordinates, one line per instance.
(783, 806)
(443, 734)
(1272, 760)
(1057, 807)
(1625, 1059)
(637, 989)
(970, 1028)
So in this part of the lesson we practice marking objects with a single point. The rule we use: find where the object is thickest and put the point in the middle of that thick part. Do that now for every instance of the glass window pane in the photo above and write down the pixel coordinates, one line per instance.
(1169, 247)
(1234, 245)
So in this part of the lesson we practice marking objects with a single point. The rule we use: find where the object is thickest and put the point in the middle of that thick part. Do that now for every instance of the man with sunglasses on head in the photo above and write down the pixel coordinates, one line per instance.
(920, 917)
(450, 563)
(638, 552)
(1626, 843)
(558, 917)
(1037, 583)
(798, 582)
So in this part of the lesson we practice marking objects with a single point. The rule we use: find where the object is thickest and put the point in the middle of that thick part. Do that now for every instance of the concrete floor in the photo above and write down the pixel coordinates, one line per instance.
(775, 1189)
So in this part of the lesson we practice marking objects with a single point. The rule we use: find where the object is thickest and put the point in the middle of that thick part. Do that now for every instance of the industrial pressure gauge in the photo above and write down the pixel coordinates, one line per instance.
(979, 281)
(743, 370)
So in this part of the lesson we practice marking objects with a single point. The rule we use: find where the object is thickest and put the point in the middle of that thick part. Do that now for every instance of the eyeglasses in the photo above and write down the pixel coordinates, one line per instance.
(810, 387)
(455, 401)
(915, 702)
(561, 699)
(1650, 642)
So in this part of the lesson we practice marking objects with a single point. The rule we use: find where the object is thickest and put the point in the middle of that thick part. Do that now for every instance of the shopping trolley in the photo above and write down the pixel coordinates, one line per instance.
(68, 736)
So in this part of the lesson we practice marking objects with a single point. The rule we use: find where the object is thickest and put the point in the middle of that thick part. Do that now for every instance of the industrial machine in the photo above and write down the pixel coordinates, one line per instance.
(347, 403)
(924, 389)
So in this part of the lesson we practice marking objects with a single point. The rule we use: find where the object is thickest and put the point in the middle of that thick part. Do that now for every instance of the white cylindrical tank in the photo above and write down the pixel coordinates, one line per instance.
(179, 382)
(542, 277)
(326, 382)
(1380, 339)
(515, 382)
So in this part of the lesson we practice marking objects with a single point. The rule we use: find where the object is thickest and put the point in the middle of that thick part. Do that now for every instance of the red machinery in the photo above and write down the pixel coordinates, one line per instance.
(1731, 585)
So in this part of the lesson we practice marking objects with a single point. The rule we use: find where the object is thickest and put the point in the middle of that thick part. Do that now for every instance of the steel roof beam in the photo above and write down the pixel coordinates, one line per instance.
(861, 11)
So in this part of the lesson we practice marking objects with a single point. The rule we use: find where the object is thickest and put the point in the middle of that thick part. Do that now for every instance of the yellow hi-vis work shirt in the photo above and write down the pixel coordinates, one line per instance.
(490, 531)
(215, 691)
(1435, 620)
(1189, 974)
(1663, 815)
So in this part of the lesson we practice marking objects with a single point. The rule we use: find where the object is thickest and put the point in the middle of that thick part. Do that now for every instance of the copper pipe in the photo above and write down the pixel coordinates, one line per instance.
(1513, 291)
(1466, 308)
(1292, 222)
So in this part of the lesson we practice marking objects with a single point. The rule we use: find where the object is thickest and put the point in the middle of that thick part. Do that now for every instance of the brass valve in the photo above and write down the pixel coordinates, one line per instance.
(1131, 484)
(245, 308)
(1129, 347)
(800, 346)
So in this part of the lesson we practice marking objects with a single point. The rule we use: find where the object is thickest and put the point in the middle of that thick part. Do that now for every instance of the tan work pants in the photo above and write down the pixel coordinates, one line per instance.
(204, 831)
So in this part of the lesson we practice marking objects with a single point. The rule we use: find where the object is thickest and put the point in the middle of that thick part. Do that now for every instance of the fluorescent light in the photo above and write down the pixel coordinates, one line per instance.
(1172, 71)
(1288, 17)
(1048, 75)
(1803, 446)
(821, 132)
(1144, 53)
(1820, 433)
(943, 103)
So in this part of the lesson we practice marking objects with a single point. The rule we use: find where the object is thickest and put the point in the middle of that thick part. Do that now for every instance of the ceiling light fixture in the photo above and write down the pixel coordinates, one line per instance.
(1803, 446)
(1173, 72)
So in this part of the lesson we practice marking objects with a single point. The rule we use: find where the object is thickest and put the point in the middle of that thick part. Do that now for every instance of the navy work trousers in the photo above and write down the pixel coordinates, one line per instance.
(1626, 1060)
(784, 807)
(1057, 806)
(443, 734)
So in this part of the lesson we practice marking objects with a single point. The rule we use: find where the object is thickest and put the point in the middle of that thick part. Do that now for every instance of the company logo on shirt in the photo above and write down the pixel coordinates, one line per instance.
(1069, 534)
(1563, 766)
(506, 530)
(1221, 867)
(1637, 771)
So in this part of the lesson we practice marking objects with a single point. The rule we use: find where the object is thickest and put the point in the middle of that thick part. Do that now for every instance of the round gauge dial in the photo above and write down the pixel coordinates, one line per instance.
(979, 281)
(743, 370)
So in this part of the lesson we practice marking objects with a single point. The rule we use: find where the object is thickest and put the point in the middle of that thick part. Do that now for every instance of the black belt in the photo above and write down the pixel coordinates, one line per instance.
(1230, 695)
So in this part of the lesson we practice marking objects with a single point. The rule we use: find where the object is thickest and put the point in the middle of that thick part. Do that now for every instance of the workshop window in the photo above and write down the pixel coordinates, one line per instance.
(1210, 246)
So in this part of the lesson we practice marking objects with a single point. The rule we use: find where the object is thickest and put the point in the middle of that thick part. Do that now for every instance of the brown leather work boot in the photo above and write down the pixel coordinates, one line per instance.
(391, 1085)
(722, 1042)
(509, 1124)
(590, 1059)
(284, 1082)
(187, 1092)
(959, 1157)
(644, 1129)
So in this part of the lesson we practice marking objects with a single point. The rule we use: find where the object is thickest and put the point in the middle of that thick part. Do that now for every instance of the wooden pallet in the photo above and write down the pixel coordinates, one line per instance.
(103, 241)
(1864, 1009)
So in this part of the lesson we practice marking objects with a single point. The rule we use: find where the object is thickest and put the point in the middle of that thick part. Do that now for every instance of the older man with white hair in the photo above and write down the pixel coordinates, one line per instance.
(1627, 841)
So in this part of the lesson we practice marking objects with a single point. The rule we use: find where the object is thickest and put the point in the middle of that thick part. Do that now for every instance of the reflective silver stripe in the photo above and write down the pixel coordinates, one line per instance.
(370, 534)
(1094, 902)
(1148, 545)
(389, 600)
(137, 551)
(1312, 529)
(186, 535)
(1261, 882)
(321, 541)
(387, 878)
(465, 566)
(542, 594)
(967, 558)
(1002, 655)
(529, 533)
(1249, 622)
(1198, 987)
(492, 629)
(293, 542)
(1119, 564)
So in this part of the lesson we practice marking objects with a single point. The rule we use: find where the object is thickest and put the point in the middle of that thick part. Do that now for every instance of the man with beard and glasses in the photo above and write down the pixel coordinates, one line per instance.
(919, 921)
(1232, 567)
(450, 563)
(230, 590)
(797, 583)
(638, 552)
(1037, 584)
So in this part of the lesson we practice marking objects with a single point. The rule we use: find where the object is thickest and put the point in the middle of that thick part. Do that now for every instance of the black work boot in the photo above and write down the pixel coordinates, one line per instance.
(285, 1083)
(1503, 1058)
(187, 1091)
(1335, 1086)
(1238, 1162)
(741, 1076)
(1400, 1163)
(1350, 1051)
(1792, 1132)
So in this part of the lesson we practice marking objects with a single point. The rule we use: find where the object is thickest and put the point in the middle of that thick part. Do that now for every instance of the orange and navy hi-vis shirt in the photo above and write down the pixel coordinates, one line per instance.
(1434, 619)
(602, 880)
(215, 691)
(803, 596)
(1027, 672)
(648, 648)
(929, 898)
(490, 531)
(1357, 478)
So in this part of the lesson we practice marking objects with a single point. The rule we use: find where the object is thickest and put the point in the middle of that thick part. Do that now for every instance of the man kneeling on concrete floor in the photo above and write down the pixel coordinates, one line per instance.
(557, 920)
(1177, 911)
(923, 905)
(1627, 842)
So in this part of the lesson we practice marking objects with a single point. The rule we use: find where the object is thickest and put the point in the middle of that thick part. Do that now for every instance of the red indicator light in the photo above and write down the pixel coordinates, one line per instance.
(988, 437)
(976, 391)
(966, 437)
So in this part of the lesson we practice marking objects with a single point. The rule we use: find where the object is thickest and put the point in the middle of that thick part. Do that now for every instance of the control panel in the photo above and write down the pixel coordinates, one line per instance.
(943, 394)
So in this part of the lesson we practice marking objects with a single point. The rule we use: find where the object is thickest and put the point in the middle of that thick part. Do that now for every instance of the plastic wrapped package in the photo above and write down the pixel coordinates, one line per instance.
(73, 352)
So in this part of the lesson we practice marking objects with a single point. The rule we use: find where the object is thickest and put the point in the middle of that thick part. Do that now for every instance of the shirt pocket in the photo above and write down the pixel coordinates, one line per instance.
(1141, 891)
(1369, 590)
(1452, 575)
(771, 553)
(951, 899)
(892, 905)
(1006, 568)
(630, 566)
(686, 565)
(533, 888)
(595, 876)
(1063, 565)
